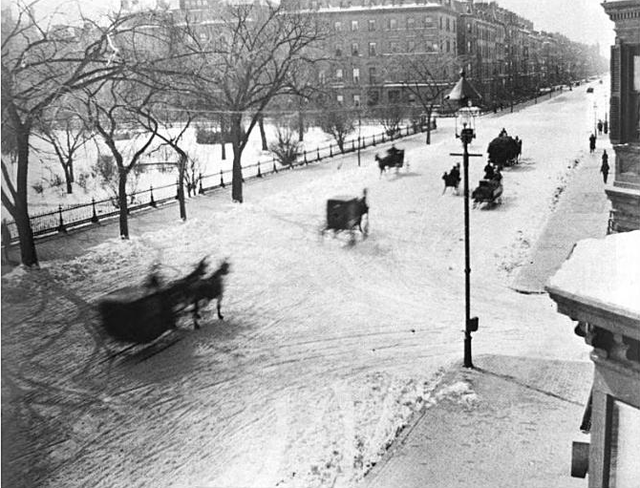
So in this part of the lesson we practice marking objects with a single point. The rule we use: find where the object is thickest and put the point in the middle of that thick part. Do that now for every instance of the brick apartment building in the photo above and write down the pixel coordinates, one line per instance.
(367, 41)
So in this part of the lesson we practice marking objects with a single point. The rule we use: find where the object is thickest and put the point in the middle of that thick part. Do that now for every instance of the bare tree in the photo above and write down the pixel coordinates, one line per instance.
(427, 77)
(40, 66)
(336, 120)
(245, 63)
(390, 116)
(113, 107)
(66, 133)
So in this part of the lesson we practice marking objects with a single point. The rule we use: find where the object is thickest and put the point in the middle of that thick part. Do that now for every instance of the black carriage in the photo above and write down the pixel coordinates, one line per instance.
(504, 151)
(487, 191)
(393, 159)
(346, 213)
(136, 314)
(144, 313)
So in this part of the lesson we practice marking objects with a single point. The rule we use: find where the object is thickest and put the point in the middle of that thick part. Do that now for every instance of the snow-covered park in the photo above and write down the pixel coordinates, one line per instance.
(326, 351)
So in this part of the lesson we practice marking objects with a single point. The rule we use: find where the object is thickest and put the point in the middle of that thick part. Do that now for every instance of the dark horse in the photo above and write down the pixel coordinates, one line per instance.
(451, 180)
(195, 289)
(395, 159)
(200, 292)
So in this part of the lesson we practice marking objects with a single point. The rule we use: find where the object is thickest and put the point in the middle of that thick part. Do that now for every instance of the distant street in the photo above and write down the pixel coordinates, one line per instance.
(326, 350)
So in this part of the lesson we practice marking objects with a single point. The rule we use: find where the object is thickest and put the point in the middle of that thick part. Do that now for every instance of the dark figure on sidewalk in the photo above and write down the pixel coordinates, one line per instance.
(604, 169)
(606, 127)
(592, 143)
(497, 176)
(455, 172)
(488, 171)
(503, 132)
(600, 126)
(6, 241)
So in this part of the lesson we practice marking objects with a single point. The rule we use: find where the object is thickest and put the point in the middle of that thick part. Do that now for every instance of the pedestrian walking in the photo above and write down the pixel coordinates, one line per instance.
(6, 241)
(604, 169)
(599, 126)
(605, 126)
(592, 143)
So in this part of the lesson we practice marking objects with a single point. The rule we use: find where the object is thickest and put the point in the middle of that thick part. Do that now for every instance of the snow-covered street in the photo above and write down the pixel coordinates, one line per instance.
(326, 349)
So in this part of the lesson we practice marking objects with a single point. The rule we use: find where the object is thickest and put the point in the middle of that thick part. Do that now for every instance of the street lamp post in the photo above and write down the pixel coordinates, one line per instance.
(463, 92)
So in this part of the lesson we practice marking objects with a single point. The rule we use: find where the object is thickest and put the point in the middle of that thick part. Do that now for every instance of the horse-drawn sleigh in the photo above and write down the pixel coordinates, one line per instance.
(346, 213)
(489, 191)
(393, 159)
(144, 313)
(504, 150)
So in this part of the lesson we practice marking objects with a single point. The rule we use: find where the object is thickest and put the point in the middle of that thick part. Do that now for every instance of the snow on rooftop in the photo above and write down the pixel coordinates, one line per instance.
(606, 271)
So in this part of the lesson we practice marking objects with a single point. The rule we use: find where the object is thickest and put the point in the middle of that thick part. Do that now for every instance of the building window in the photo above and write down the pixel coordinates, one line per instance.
(354, 25)
(338, 50)
(411, 23)
(372, 49)
(356, 75)
(322, 77)
(372, 25)
(394, 96)
(394, 47)
(411, 46)
(393, 24)
(373, 76)
(340, 99)
(448, 24)
(337, 26)
(356, 100)
(339, 74)
(428, 21)
(448, 46)
(355, 49)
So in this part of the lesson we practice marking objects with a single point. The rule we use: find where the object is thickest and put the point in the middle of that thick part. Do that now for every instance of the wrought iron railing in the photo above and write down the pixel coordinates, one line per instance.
(74, 216)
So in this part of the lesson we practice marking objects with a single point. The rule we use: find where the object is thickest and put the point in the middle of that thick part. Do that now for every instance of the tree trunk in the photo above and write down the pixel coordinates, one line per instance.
(236, 182)
(263, 135)
(72, 177)
(181, 169)
(300, 126)
(28, 254)
(123, 204)
(236, 141)
(68, 178)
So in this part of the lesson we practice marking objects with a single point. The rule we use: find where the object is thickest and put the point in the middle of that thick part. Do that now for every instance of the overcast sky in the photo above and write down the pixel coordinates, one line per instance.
(580, 20)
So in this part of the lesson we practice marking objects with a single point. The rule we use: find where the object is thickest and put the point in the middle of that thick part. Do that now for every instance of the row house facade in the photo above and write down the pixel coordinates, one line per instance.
(502, 54)
(366, 37)
(624, 115)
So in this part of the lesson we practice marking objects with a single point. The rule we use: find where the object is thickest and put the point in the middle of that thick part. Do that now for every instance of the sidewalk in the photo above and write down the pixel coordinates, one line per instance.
(582, 212)
(508, 423)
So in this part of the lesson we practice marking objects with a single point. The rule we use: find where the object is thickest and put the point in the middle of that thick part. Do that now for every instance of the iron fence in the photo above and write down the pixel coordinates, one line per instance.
(74, 216)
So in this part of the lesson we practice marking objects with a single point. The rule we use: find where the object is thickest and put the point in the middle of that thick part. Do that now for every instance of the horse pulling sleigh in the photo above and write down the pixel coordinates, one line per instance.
(345, 213)
(488, 191)
(142, 314)
(504, 150)
(393, 159)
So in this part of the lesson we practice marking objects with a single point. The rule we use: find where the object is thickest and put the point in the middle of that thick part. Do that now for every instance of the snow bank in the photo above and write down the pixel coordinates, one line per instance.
(605, 271)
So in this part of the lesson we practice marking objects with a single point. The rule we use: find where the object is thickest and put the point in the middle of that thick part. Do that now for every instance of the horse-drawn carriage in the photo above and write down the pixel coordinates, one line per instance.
(393, 159)
(488, 191)
(504, 150)
(345, 213)
(144, 313)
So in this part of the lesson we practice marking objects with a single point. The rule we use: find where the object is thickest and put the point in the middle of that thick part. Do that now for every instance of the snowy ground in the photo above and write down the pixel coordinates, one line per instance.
(326, 350)
(45, 168)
